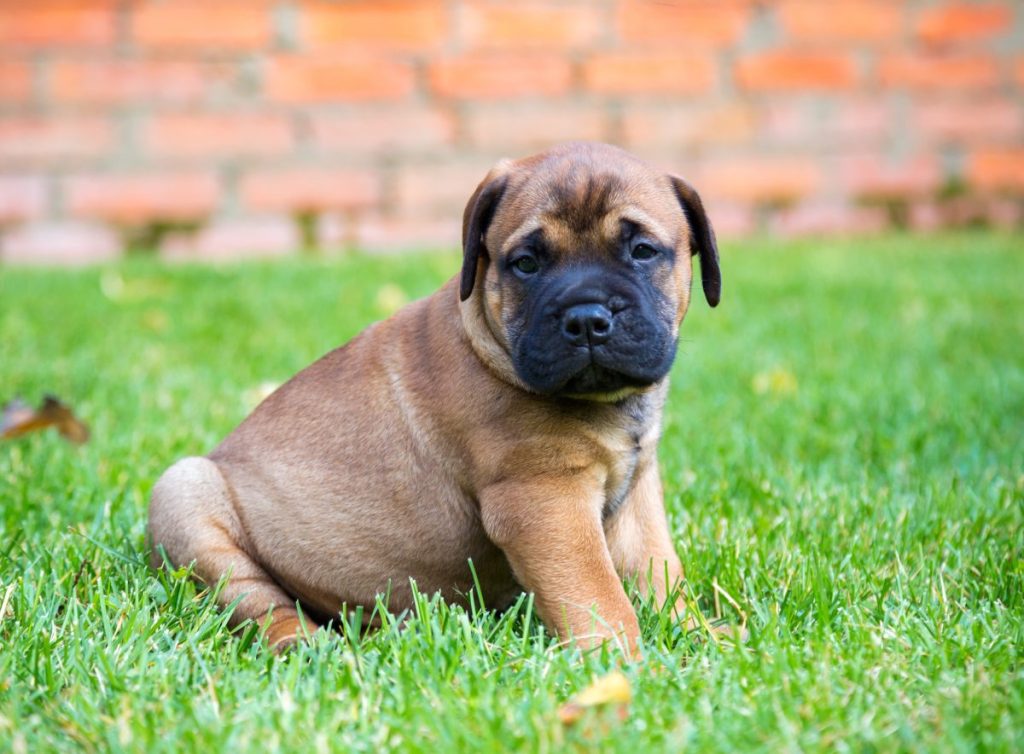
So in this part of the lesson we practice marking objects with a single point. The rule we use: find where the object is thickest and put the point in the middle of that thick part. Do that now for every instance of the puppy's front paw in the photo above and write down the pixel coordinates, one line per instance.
(285, 632)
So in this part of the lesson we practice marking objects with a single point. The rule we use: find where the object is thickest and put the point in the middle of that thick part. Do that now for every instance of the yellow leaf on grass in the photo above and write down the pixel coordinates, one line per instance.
(390, 298)
(254, 396)
(774, 381)
(610, 691)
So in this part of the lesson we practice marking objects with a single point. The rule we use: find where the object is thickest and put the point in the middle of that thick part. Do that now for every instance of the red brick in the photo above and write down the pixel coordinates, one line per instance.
(938, 71)
(53, 139)
(309, 189)
(509, 128)
(871, 176)
(219, 134)
(190, 24)
(537, 25)
(233, 239)
(646, 22)
(759, 179)
(1005, 213)
(974, 120)
(335, 231)
(362, 78)
(389, 129)
(925, 215)
(858, 121)
(22, 197)
(997, 169)
(125, 81)
(15, 81)
(821, 218)
(438, 189)
(959, 211)
(780, 71)
(800, 123)
(57, 23)
(384, 234)
(789, 122)
(872, 21)
(405, 25)
(729, 219)
(686, 126)
(958, 22)
(138, 197)
(63, 243)
(496, 76)
(649, 73)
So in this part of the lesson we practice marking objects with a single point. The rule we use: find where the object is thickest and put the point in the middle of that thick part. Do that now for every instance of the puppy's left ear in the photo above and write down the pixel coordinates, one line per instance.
(475, 221)
(703, 239)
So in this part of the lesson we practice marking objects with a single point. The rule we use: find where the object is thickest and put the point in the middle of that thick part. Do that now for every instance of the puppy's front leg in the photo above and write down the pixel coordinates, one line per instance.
(641, 548)
(549, 528)
(640, 543)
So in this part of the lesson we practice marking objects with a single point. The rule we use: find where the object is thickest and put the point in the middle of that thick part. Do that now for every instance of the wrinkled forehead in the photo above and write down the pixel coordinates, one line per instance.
(573, 203)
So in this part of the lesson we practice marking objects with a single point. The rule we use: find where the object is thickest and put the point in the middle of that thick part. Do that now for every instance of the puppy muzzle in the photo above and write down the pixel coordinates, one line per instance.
(592, 334)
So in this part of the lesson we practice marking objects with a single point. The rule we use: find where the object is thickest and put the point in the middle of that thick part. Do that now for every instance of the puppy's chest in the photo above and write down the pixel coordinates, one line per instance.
(625, 461)
(630, 442)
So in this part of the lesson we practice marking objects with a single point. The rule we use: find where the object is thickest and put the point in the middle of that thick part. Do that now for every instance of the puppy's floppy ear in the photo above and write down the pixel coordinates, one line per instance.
(703, 239)
(475, 220)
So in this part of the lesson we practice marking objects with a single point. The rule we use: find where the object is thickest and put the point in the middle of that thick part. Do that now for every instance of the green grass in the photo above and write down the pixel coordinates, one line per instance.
(843, 457)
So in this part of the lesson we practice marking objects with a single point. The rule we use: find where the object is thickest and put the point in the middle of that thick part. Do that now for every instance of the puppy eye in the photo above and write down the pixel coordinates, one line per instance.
(526, 265)
(644, 251)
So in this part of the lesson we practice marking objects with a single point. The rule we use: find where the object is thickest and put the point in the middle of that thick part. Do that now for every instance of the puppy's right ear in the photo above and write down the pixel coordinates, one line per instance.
(475, 221)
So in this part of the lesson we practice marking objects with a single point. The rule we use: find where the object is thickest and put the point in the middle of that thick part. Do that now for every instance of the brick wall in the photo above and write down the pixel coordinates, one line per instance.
(219, 128)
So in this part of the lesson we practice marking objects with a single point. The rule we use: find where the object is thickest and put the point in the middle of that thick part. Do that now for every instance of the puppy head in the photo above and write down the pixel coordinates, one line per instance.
(577, 264)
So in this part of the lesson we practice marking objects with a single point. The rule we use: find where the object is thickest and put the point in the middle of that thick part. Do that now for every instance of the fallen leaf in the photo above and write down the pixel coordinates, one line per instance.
(254, 396)
(18, 418)
(155, 320)
(115, 288)
(390, 298)
(775, 381)
(611, 691)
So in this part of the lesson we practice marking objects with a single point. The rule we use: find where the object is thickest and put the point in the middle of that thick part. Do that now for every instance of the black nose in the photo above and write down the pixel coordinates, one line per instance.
(587, 323)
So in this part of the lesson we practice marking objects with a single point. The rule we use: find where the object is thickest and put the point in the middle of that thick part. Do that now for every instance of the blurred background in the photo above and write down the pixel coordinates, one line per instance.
(202, 129)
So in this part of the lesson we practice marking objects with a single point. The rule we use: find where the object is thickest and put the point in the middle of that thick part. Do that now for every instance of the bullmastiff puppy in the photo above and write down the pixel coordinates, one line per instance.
(509, 420)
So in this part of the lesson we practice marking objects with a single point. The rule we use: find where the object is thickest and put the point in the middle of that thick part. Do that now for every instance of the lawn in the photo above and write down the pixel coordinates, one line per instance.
(843, 460)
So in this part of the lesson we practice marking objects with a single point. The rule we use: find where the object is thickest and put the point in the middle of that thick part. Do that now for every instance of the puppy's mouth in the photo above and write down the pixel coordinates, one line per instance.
(591, 372)
(596, 379)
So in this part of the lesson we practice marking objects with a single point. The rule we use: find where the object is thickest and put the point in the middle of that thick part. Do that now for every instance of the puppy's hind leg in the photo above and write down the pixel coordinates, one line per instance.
(192, 518)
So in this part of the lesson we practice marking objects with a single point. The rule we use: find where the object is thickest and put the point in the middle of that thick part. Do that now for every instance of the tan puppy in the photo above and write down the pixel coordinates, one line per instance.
(510, 419)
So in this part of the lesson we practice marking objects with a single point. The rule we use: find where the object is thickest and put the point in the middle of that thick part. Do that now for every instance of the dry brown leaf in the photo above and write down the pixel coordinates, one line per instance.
(611, 691)
(18, 418)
